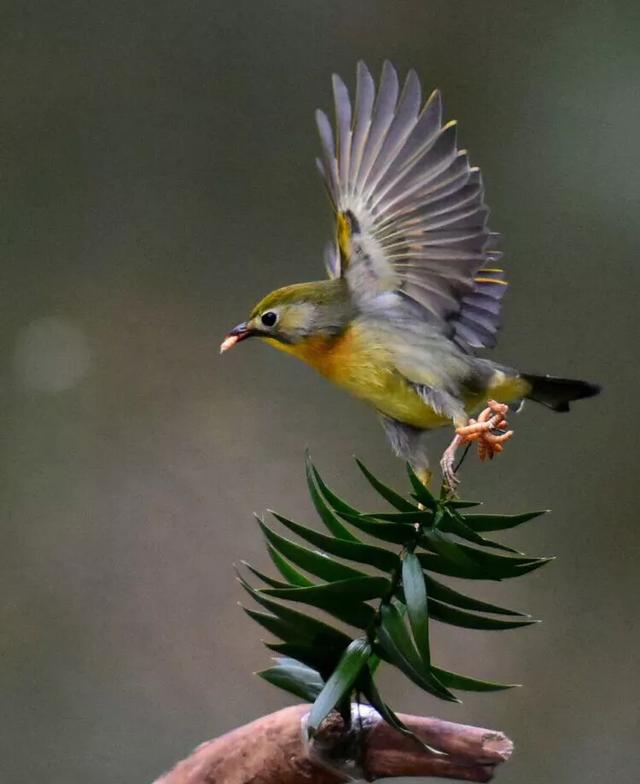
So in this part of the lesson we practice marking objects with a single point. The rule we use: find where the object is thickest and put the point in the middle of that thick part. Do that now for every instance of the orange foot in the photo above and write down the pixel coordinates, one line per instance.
(488, 430)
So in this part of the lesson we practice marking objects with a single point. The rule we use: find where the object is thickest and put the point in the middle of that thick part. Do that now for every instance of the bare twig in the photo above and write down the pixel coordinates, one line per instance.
(271, 750)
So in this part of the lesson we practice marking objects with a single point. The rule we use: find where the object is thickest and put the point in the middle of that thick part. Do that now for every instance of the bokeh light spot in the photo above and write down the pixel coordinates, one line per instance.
(51, 355)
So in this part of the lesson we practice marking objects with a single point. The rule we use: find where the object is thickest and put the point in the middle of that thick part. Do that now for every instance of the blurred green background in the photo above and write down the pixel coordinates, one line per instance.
(157, 177)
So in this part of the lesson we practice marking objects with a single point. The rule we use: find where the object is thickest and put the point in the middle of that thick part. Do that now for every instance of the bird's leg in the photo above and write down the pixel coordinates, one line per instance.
(488, 430)
(447, 462)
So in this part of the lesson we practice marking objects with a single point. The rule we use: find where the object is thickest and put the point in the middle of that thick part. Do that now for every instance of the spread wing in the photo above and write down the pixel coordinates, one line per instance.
(411, 215)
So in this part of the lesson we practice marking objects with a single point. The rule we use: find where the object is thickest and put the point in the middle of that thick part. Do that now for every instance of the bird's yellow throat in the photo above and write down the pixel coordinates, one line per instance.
(368, 372)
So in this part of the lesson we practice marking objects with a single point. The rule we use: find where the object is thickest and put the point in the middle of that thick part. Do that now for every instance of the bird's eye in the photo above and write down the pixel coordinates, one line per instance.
(269, 318)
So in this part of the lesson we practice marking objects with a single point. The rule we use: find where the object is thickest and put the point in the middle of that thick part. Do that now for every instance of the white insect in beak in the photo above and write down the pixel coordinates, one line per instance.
(228, 342)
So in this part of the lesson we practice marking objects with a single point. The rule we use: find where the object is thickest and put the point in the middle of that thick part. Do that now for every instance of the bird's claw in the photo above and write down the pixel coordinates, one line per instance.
(449, 475)
(447, 463)
(488, 430)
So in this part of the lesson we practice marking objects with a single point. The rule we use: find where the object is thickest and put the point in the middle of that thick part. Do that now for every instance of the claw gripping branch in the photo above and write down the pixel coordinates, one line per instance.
(488, 431)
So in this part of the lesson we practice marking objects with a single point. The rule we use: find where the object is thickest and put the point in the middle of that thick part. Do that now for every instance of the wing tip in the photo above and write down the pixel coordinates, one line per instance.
(338, 83)
(321, 117)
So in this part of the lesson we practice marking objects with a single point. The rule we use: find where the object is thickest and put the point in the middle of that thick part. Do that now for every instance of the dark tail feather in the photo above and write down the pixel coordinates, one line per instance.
(557, 393)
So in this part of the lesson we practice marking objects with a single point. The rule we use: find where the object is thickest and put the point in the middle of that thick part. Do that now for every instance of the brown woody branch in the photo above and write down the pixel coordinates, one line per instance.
(271, 750)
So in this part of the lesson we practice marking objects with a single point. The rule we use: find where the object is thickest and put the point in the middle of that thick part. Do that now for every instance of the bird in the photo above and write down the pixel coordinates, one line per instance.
(414, 286)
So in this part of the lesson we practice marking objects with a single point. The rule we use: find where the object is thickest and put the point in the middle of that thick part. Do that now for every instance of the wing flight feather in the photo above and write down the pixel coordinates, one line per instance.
(413, 206)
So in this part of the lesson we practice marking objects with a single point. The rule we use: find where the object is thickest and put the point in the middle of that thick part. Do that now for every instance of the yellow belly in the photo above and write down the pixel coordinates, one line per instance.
(368, 373)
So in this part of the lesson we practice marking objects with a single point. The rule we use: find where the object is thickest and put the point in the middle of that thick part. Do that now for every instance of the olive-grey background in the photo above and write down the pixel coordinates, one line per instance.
(157, 177)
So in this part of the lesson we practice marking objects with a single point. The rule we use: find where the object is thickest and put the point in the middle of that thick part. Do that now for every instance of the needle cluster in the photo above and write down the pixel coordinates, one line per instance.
(373, 574)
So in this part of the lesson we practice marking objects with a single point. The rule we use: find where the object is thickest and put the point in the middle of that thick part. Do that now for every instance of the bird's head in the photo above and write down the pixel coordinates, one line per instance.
(291, 315)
